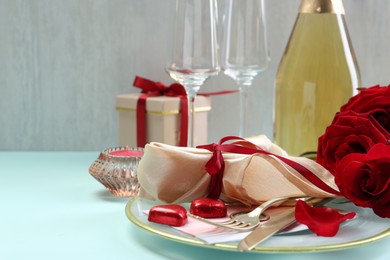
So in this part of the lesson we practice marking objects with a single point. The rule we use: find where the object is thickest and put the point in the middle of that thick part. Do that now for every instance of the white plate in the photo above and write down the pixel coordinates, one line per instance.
(365, 228)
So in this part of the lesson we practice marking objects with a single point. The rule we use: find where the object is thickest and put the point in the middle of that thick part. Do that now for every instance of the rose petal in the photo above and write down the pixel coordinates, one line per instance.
(369, 99)
(382, 210)
(322, 221)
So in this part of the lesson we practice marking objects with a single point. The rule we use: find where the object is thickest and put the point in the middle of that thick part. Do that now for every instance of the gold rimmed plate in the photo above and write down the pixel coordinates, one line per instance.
(365, 228)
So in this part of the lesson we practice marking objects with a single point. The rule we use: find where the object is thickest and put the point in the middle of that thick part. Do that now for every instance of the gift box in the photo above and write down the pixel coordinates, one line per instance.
(162, 119)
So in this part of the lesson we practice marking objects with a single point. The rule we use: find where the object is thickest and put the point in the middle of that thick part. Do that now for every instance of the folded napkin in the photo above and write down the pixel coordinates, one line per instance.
(177, 174)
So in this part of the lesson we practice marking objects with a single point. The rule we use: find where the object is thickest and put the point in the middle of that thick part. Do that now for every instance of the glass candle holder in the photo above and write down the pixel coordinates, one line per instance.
(116, 169)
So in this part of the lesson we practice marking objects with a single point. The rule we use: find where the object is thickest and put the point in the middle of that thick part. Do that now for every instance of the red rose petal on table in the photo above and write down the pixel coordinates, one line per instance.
(208, 208)
(322, 221)
(171, 214)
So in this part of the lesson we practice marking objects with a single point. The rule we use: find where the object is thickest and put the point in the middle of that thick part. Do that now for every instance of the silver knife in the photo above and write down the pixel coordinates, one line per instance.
(277, 222)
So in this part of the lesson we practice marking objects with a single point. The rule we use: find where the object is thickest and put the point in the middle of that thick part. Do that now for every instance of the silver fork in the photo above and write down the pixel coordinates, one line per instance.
(246, 221)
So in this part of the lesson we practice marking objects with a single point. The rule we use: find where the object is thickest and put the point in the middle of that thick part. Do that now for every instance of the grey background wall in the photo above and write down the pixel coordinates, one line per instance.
(63, 62)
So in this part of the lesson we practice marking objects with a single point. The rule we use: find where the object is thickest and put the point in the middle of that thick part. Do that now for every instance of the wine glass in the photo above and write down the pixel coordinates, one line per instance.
(244, 48)
(194, 57)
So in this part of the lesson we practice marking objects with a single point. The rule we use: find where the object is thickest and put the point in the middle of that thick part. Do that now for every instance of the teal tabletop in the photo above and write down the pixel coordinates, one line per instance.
(51, 208)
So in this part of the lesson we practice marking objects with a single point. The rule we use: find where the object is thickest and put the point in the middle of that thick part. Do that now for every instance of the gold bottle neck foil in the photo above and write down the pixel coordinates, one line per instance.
(321, 6)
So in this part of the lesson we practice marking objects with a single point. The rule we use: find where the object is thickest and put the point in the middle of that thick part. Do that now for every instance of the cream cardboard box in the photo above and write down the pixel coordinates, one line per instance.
(162, 119)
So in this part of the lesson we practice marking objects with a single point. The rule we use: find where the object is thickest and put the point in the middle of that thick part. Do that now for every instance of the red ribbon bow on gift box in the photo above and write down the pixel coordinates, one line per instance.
(153, 89)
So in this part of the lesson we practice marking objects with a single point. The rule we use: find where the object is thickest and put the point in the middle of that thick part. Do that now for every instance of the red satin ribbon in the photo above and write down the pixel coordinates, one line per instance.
(216, 165)
(153, 89)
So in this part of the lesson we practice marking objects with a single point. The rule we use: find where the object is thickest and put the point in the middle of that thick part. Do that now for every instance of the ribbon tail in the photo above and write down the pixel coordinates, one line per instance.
(215, 167)
(217, 93)
(215, 188)
(183, 141)
(141, 120)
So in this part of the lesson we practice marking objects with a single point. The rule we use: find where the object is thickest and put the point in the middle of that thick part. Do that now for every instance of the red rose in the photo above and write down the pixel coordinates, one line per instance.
(364, 179)
(350, 132)
(373, 100)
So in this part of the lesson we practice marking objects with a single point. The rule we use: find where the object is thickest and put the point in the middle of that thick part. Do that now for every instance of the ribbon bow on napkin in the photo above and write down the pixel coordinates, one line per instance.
(250, 171)
(215, 166)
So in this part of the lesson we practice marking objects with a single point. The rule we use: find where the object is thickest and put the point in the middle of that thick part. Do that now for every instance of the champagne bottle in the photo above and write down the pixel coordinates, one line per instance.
(317, 74)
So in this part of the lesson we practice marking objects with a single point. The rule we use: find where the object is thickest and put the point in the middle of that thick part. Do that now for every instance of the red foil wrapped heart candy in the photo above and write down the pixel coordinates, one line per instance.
(208, 208)
(171, 214)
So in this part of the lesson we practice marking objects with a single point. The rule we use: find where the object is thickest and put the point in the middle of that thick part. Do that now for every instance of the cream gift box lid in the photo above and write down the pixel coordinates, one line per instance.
(160, 104)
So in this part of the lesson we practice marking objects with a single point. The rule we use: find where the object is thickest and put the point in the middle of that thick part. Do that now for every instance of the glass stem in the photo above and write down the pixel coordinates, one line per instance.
(191, 117)
(243, 131)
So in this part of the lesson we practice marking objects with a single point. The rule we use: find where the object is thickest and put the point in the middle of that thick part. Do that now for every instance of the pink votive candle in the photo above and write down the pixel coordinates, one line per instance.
(127, 153)
(116, 169)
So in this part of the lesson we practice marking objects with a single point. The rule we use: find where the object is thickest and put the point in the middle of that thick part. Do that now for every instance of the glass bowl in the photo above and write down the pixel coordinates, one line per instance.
(116, 169)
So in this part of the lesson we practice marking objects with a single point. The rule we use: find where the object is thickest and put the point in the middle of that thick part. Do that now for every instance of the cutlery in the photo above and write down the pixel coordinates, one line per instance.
(247, 221)
(277, 222)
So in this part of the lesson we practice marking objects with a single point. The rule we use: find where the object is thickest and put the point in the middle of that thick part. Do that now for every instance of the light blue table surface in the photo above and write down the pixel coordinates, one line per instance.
(51, 208)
